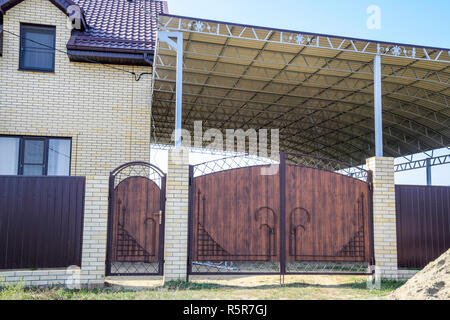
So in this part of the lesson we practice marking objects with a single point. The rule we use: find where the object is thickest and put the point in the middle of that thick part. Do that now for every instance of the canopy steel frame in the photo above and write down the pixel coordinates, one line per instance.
(277, 59)
(169, 37)
(397, 119)
(304, 39)
(323, 92)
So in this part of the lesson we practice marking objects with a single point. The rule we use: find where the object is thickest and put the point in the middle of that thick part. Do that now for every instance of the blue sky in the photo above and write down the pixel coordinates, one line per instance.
(404, 21)
(417, 22)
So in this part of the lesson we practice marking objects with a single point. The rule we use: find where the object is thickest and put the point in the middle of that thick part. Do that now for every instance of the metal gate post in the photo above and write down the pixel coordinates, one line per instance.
(282, 213)
(190, 221)
(162, 227)
(371, 237)
(109, 225)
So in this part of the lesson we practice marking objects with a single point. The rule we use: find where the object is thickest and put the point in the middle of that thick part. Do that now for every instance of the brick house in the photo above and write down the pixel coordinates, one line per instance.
(79, 90)
(80, 105)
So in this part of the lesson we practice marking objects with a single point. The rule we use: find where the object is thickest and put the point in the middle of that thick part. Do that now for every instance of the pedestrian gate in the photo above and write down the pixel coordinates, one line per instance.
(136, 220)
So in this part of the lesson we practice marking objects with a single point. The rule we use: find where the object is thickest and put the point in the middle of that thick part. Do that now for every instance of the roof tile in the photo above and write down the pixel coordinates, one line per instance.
(113, 25)
(118, 25)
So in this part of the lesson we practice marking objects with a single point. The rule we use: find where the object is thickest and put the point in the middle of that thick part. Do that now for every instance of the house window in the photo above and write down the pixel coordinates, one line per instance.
(34, 156)
(37, 48)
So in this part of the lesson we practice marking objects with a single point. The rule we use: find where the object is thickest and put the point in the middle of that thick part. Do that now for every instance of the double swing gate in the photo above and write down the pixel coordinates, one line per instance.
(303, 215)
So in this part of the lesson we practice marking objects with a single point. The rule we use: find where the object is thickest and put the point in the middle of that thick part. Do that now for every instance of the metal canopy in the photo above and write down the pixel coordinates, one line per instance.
(317, 89)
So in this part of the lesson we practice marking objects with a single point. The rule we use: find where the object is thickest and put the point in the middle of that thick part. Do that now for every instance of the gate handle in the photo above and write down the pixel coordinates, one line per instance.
(160, 216)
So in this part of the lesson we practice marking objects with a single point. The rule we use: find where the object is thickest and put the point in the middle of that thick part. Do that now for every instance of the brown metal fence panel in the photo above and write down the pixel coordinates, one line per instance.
(423, 224)
(41, 221)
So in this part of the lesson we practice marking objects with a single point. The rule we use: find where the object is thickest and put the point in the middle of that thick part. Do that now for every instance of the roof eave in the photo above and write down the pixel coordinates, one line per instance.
(111, 50)
(125, 58)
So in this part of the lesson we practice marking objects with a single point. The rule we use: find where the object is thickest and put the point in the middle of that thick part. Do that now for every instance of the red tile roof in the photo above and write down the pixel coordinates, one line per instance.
(118, 25)
(63, 5)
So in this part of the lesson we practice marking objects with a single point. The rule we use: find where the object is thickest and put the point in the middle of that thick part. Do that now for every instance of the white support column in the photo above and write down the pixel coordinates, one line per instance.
(169, 37)
(378, 105)
(429, 181)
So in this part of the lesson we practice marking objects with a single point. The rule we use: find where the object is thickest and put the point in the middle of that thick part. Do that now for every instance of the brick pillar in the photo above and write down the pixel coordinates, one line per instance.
(95, 231)
(176, 223)
(384, 219)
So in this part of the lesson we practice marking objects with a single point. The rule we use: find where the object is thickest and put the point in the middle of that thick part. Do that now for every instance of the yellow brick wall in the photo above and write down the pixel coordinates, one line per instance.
(105, 112)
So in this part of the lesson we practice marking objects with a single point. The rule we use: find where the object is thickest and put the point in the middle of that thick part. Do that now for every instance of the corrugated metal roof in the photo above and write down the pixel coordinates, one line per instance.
(317, 89)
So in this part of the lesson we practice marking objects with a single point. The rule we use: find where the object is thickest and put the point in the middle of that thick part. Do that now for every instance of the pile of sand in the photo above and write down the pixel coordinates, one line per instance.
(433, 282)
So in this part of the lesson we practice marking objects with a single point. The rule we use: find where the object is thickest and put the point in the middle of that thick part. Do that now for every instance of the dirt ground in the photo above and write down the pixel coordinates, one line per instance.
(239, 281)
(432, 283)
(267, 287)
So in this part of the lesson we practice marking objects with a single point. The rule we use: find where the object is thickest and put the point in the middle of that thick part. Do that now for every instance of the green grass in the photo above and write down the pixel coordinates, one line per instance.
(183, 285)
(206, 291)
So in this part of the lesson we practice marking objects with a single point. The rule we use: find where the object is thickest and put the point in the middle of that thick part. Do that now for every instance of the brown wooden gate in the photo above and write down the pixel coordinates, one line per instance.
(136, 220)
(312, 216)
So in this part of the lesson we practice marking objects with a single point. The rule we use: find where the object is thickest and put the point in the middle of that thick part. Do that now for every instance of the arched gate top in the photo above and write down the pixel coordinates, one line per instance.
(137, 169)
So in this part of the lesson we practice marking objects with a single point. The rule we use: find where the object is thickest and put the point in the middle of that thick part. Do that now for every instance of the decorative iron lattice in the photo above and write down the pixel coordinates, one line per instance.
(132, 258)
(128, 248)
(207, 246)
(229, 163)
(138, 169)
(310, 161)
(235, 267)
(316, 162)
(355, 247)
(306, 267)
(135, 268)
